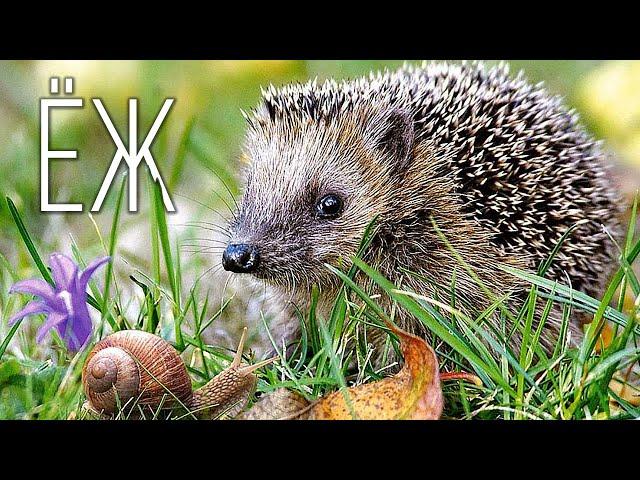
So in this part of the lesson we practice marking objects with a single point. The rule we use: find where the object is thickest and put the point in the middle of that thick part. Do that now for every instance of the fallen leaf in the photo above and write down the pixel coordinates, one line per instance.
(606, 336)
(626, 384)
(414, 393)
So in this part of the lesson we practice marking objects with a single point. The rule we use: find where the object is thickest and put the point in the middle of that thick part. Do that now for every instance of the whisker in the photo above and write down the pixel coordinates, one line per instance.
(208, 255)
(212, 269)
(205, 239)
(209, 207)
(224, 184)
(224, 289)
(220, 248)
(198, 222)
(217, 253)
(214, 228)
(226, 204)
(203, 247)
(208, 244)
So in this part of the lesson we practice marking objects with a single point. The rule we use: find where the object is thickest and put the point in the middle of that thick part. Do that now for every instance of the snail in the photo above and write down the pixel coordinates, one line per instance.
(132, 367)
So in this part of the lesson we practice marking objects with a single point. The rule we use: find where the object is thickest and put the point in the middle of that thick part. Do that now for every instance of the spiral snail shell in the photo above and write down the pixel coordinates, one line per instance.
(132, 367)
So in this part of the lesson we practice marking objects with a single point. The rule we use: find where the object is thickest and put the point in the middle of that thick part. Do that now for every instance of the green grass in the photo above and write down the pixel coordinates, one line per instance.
(569, 383)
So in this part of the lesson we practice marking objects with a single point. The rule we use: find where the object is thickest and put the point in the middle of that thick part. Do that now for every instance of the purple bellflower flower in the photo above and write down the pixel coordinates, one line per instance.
(65, 305)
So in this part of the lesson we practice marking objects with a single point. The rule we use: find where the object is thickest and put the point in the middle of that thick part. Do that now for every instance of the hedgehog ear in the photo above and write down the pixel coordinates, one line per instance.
(393, 134)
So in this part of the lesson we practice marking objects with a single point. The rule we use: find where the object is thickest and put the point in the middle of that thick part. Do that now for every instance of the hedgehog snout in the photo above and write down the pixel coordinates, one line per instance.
(241, 258)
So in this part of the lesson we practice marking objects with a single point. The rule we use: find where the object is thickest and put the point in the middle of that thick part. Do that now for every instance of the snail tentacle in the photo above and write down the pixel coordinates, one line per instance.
(228, 393)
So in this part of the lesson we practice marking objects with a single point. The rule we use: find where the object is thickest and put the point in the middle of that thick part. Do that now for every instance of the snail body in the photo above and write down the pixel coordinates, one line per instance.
(132, 367)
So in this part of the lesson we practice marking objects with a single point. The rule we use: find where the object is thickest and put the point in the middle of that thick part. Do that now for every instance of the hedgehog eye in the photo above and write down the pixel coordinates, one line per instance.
(329, 206)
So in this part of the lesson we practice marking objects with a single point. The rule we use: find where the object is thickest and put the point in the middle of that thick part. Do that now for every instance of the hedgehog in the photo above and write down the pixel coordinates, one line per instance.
(442, 158)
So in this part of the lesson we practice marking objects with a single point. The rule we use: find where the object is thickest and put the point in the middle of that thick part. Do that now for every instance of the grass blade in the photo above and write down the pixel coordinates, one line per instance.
(113, 240)
(26, 238)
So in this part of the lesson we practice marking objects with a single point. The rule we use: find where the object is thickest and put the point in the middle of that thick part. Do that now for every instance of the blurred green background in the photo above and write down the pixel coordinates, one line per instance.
(207, 125)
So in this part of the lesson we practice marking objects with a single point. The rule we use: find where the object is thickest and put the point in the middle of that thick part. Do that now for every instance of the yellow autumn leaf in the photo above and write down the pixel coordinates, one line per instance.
(414, 393)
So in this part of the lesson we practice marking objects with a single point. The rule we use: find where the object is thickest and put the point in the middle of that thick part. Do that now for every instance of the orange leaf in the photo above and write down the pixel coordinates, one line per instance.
(414, 393)
(606, 336)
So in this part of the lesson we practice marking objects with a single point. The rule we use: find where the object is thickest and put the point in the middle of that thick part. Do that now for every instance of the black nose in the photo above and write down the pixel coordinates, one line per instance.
(240, 258)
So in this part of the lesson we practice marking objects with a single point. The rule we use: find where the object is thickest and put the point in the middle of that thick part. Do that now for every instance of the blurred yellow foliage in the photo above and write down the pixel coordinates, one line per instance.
(108, 77)
(239, 68)
(610, 97)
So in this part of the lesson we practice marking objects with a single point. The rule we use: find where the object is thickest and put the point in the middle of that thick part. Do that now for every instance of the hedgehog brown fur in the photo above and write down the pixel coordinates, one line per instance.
(500, 166)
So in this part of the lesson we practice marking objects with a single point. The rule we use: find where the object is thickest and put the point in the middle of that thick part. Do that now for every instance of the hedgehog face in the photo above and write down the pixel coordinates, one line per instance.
(311, 190)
